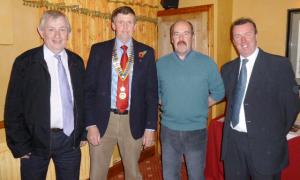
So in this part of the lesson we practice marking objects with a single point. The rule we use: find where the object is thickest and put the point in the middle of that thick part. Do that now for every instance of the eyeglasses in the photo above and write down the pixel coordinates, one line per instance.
(185, 34)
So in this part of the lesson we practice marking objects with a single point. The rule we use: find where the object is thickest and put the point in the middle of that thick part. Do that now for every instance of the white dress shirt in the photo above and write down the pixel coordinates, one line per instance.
(241, 126)
(56, 114)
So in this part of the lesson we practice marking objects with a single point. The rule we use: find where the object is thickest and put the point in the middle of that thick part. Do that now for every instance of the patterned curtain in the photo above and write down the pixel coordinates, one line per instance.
(90, 20)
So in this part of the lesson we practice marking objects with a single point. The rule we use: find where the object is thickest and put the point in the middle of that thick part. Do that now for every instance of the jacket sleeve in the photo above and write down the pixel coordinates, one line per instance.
(90, 89)
(289, 94)
(17, 134)
(152, 93)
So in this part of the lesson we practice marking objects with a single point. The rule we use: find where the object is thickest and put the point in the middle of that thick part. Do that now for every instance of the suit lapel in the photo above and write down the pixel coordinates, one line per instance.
(108, 64)
(234, 74)
(73, 65)
(136, 49)
(236, 70)
(257, 75)
(39, 58)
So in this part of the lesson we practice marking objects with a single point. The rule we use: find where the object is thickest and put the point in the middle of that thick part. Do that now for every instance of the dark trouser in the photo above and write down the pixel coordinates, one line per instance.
(66, 160)
(191, 144)
(238, 162)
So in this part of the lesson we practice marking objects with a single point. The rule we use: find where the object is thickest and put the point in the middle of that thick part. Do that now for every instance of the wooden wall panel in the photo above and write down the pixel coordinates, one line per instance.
(10, 167)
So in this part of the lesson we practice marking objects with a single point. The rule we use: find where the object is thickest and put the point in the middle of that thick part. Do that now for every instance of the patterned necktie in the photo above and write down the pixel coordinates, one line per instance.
(239, 93)
(66, 98)
(123, 85)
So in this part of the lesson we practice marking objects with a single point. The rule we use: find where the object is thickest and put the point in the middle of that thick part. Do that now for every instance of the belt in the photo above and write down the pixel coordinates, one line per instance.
(117, 111)
(56, 130)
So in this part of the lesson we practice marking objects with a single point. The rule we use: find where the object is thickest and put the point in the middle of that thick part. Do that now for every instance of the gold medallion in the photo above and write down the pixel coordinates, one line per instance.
(122, 95)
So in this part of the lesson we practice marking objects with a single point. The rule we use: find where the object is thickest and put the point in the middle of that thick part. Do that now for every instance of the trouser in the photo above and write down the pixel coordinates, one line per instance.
(117, 132)
(66, 160)
(191, 144)
(238, 164)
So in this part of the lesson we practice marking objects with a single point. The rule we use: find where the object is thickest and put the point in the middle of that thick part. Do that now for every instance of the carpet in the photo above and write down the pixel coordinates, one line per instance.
(151, 169)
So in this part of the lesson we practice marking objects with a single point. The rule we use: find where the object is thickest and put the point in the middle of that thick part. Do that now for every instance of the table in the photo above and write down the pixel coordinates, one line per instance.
(293, 170)
(214, 169)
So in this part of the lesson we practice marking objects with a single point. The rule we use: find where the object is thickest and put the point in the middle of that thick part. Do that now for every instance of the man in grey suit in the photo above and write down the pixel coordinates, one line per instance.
(262, 105)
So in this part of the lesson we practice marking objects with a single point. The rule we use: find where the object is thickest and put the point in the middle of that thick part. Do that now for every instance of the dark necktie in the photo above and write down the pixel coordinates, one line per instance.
(123, 85)
(66, 98)
(239, 93)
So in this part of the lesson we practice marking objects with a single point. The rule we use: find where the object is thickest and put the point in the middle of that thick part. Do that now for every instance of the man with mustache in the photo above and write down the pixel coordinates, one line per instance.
(189, 82)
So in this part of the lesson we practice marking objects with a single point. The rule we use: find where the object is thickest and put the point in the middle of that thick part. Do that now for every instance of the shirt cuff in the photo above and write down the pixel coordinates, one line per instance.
(89, 127)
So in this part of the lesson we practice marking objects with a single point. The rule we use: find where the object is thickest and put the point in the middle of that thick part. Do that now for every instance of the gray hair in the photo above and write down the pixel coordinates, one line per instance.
(54, 14)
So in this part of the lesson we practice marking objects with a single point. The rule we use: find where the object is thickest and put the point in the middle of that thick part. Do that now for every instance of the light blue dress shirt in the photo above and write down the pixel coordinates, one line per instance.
(114, 74)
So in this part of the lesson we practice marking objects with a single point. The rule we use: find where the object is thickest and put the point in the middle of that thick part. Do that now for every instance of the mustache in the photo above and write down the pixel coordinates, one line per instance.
(181, 42)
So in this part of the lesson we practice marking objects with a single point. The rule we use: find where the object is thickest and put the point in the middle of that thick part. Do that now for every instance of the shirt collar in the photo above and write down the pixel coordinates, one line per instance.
(49, 53)
(252, 57)
(120, 43)
(186, 56)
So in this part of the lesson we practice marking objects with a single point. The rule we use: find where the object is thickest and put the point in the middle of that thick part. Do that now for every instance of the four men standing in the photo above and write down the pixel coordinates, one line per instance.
(45, 100)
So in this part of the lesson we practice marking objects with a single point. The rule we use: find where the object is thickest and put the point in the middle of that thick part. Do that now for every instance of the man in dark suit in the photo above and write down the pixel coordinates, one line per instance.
(262, 105)
(44, 104)
(121, 98)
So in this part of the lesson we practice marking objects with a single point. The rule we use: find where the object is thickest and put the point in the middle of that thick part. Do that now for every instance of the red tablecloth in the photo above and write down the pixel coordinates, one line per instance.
(214, 166)
(292, 172)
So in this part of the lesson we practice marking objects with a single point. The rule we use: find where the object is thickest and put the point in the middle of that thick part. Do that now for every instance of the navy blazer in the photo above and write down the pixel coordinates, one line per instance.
(271, 105)
(27, 106)
(144, 93)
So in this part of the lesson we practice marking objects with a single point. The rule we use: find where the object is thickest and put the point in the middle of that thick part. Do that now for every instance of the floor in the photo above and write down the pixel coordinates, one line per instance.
(151, 170)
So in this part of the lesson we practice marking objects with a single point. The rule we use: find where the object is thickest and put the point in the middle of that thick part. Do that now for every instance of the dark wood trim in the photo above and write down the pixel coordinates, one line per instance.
(1, 124)
(211, 47)
(289, 21)
(118, 167)
(186, 10)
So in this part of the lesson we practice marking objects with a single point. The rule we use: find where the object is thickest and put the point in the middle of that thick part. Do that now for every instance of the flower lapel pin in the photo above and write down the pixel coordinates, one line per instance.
(141, 55)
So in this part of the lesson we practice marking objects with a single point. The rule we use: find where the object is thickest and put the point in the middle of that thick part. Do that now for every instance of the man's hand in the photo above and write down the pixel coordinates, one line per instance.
(93, 135)
(149, 138)
(211, 101)
(82, 143)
